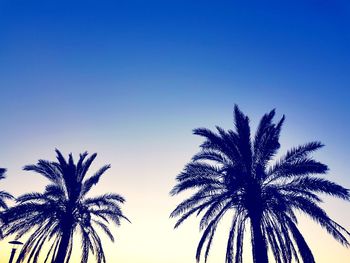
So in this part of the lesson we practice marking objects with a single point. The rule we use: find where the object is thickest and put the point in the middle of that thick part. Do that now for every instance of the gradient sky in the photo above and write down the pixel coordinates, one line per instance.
(131, 79)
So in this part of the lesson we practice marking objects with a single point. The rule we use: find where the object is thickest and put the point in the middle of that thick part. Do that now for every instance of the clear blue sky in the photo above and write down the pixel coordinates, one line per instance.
(114, 58)
(131, 79)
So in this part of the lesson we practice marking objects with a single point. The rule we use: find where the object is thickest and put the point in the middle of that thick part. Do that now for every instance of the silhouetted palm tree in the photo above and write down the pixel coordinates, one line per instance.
(62, 210)
(233, 172)
(3, 196)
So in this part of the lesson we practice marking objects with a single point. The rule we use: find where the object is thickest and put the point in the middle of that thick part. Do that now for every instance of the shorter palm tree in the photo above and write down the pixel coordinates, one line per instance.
(53, 217)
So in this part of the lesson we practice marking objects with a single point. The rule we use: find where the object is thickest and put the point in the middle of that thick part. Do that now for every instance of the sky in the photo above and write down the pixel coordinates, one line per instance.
(130, 80)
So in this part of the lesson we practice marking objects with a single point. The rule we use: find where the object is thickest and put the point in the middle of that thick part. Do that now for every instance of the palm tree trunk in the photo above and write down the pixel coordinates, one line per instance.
(63, 247)
(259, 244)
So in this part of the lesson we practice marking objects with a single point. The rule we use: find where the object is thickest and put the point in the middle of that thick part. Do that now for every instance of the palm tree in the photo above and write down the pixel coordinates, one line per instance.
(234, 172)
(62, 210)
(3, 196)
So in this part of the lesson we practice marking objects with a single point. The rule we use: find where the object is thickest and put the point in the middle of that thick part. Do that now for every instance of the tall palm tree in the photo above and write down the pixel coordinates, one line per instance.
(3, 196)
(234, 172)
(62, 210)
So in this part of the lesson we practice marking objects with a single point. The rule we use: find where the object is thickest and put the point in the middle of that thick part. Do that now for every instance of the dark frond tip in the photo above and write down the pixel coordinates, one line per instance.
(313, 146)
(302, 151)
(280, 123)
(6, 195)
(319, 168)
(93, 180)
(324, 186)
(174, 191)
(29, 167)
(265, 121)
(94, 155)
(114, 197)
(271, 114)
(236, 108)
(2, 172)
(70, 159)
(60, 158)
(202, 132)
(239, 115)
(84, 154)
(127, 219)
(220, 130)
(58, 152)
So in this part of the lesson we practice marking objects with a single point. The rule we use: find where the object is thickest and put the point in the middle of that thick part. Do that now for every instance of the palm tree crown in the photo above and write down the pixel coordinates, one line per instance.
(62, 210)
(3, 196)
(234, 172)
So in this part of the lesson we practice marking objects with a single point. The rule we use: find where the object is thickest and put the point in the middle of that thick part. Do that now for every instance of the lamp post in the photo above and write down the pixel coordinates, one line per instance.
(15, 244)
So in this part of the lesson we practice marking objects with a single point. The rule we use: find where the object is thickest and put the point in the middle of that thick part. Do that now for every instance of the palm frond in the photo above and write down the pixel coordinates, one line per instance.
(2, 173)
(94, 179)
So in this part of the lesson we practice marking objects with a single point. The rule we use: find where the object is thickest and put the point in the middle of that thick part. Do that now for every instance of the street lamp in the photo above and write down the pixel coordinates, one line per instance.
(15, 244)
